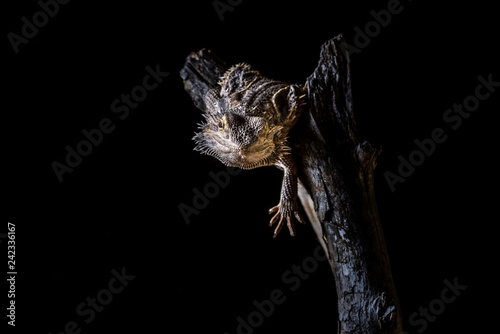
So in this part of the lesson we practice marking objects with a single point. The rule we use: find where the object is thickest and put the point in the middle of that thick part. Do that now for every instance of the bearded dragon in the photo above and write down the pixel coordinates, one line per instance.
(247, 122)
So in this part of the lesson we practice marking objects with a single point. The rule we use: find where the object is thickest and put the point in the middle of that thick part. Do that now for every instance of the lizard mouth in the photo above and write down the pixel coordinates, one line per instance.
(252, 157)
(264, 151)
(246, 157)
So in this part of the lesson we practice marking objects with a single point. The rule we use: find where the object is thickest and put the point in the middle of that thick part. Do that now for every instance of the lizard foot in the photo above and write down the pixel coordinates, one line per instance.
(285, 212)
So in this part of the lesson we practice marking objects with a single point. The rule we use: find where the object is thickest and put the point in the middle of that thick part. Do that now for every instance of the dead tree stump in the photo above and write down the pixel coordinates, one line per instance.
(335, 169)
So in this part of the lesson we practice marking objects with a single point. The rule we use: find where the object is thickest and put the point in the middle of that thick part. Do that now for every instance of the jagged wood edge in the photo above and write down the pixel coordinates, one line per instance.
(336, 169)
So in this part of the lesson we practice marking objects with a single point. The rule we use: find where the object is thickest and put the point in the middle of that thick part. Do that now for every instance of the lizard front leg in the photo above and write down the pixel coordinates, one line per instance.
(287, 207)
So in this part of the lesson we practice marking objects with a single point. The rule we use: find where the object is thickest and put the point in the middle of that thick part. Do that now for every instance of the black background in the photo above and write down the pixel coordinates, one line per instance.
(119, 207)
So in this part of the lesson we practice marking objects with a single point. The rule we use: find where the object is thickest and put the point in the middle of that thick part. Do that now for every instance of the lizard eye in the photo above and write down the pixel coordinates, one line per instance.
(220, 125)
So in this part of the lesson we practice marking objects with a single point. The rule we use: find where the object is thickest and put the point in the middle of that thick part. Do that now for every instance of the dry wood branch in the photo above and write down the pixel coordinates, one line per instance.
(336, 169)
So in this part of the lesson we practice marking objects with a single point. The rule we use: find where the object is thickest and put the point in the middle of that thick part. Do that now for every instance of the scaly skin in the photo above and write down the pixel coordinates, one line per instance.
(287, 207)
(247, 124)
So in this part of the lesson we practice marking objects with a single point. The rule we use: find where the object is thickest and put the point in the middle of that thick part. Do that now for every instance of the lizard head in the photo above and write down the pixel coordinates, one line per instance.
(248, 118)
(236, 139)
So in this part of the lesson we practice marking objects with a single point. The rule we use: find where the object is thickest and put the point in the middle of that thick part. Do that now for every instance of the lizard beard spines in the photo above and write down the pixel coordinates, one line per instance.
(271, 147)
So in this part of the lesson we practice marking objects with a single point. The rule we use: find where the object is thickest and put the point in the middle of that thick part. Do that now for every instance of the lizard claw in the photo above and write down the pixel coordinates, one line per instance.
(284, 213)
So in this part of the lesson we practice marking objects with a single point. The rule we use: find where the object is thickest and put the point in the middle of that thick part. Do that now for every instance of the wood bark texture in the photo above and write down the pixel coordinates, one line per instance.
(335, 170)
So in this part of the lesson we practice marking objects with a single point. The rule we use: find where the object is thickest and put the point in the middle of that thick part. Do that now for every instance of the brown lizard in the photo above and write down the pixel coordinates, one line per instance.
(247, 124)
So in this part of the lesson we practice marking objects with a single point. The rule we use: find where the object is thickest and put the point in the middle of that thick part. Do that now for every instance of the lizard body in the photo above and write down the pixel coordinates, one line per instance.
(247, 124)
